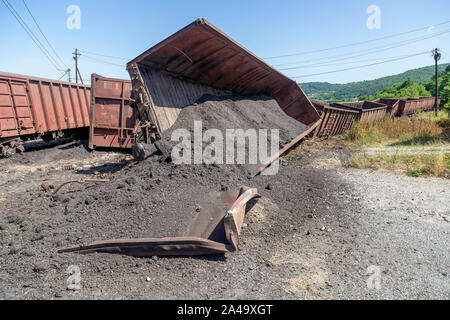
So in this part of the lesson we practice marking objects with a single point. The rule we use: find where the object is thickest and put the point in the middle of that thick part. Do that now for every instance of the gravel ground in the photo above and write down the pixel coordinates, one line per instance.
(321, 231)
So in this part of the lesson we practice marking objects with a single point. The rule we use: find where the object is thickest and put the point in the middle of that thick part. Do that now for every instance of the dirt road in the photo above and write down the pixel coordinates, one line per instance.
(321, 231)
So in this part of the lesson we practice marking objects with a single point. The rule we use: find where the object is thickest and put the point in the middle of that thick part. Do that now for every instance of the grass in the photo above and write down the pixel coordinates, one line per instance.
(442, 115)
(419, 130)
(416, 165)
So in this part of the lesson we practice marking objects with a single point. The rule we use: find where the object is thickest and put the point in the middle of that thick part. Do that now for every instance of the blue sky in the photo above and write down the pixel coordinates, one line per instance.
(268, 28)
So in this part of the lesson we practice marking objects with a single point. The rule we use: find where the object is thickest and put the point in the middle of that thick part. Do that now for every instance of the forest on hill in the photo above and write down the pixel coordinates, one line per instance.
(361, 90)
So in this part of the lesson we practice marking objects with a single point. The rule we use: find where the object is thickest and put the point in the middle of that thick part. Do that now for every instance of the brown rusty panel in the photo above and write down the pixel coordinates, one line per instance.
(428, 103)
(337, 120)
(8, 122)
(37, 107)
(410, 105)
(372, 115)
(48, 107)
(108, 138)
(342, 118)
(74, 114)
(214, 229)
(77, 103)
(113, 119)
(58, 105)
(84, 104)
(202, 53)
(22, 108)
(149, 247)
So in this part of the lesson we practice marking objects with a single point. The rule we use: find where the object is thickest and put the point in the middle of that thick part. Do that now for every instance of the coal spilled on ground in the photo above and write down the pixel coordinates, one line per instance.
(155, 197)
(225, 115)
(152, 198)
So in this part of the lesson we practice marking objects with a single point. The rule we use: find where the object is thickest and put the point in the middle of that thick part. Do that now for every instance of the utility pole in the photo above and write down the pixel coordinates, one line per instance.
(77, 71)
(437, 57)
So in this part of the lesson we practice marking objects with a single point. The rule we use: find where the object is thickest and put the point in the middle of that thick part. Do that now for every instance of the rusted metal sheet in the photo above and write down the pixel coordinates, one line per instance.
(213, 230)
(31, 106)
(336, 120)
(202, 58)
(112, 117)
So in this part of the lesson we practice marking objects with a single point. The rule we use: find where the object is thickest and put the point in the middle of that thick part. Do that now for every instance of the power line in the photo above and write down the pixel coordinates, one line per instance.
(359, 67)
(368, 51)
(31, 35)
(324, 64)
(40, 30)
(103, 55)
(103, 61)
(355, 43)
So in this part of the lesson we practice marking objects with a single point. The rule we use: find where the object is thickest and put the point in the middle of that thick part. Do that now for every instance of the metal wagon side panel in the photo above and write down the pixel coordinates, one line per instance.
(112, 117)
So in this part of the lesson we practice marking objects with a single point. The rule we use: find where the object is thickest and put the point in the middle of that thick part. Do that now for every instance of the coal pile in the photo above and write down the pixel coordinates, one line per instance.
(229, 112)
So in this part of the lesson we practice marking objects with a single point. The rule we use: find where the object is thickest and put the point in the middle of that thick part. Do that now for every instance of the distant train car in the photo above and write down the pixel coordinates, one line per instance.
(370, 111)
(392, 103)
(33, 107)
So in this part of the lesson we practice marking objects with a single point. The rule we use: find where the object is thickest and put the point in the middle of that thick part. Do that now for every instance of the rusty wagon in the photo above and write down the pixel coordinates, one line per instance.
(336, 120)
(201, 59)
(33, 107)
(369, 111)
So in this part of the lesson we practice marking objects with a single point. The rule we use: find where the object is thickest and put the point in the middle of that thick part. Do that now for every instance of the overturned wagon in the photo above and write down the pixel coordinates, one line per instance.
(336, 120)
(200, 59)
(33, 107)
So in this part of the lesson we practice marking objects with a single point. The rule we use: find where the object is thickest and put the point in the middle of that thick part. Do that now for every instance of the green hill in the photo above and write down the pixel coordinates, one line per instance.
(333, 92)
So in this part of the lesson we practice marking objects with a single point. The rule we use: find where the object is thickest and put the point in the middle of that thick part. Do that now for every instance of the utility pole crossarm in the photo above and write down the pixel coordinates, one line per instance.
(77, 71)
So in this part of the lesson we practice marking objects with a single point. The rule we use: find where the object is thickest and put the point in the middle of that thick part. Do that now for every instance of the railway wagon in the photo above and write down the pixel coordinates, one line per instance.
(32, 107)
(409, 106)
(201, 59)
(370, 111)
(427, 103)
(335, 120)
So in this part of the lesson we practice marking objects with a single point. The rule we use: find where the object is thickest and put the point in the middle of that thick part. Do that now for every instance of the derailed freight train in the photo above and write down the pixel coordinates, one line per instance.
(33, 107)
